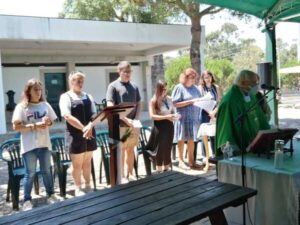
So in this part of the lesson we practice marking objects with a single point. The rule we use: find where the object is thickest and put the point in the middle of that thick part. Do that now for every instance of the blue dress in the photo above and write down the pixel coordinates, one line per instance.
(186, 128)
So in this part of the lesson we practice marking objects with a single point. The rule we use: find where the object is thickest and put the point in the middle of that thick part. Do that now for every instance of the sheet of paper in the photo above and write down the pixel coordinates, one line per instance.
(137, 124)
(206, 102)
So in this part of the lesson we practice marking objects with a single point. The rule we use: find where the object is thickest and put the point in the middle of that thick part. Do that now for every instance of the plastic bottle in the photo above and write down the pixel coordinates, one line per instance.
(278, 154)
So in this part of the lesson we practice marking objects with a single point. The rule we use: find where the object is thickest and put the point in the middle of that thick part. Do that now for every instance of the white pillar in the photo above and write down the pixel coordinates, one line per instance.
(149, 85)
(2, 103)
(70, 66)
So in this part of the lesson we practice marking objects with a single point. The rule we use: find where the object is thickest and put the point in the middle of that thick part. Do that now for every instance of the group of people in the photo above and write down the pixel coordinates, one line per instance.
(176, 118)
(33, 116)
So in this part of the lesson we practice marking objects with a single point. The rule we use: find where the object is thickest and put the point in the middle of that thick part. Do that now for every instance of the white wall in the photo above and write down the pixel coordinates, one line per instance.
(16, 78)
(96, 79)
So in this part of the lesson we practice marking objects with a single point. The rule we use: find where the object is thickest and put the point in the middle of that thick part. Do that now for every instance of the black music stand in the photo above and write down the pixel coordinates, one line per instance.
(264, 141)
(113, 114)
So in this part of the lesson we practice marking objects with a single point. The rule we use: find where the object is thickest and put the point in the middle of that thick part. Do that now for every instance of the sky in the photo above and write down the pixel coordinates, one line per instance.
(289, 32)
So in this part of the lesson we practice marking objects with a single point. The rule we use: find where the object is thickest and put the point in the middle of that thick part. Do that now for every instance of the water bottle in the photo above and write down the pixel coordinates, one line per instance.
(227, 151)
(278, 154)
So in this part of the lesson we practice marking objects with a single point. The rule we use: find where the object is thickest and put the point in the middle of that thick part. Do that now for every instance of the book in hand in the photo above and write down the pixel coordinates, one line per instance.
(264, 140)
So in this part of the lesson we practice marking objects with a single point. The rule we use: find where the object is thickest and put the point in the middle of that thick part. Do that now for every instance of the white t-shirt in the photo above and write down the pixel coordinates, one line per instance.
(34, 113)
(65, 102)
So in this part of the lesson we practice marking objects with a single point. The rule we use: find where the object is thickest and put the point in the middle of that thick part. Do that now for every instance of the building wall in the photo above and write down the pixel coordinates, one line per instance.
(97, 80)
(15, 79)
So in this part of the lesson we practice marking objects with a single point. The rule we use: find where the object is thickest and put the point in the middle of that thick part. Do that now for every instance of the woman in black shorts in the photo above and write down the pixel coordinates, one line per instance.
(77, 107)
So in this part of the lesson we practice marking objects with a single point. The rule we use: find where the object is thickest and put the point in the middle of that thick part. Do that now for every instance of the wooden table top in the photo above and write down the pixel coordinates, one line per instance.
(166, 198)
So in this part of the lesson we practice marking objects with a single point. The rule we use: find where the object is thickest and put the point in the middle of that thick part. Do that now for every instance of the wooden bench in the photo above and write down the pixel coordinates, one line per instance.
(167, 198)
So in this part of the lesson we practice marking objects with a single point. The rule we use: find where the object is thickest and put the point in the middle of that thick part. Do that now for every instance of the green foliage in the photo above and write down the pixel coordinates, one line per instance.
(140, 11)
(222, 43)
(248, 58)
(174, 68)
(226, 44)
(286, 54)
(291, 63)
(223, 71)
(290, 81)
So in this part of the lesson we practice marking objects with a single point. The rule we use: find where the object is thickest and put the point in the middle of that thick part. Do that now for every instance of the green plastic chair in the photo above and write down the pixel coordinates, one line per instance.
(10, 153)
(62, 162)
(102, 139)
(141, 148)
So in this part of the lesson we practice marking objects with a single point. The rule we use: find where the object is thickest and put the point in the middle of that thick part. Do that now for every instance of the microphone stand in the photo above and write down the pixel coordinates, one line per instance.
(240, 119)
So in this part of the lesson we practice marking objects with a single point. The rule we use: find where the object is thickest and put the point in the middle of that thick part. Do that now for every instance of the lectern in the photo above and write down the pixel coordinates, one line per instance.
(113, 115)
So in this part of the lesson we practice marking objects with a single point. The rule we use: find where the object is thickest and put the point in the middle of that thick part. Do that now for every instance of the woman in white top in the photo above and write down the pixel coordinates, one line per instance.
(161, 110)
(77, 108)
(32, 117)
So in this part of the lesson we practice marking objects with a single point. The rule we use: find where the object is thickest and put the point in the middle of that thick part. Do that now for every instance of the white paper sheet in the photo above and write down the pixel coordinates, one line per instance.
(206, 102)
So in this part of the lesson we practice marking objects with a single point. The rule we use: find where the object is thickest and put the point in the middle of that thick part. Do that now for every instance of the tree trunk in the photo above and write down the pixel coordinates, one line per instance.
(195, 44)
(157, 70)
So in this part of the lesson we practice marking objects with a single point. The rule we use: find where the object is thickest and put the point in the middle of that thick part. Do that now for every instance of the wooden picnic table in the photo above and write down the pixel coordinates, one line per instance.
(166, 198)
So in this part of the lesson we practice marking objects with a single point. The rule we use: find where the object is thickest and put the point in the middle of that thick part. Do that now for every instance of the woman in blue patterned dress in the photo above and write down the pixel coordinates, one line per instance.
(184, 95)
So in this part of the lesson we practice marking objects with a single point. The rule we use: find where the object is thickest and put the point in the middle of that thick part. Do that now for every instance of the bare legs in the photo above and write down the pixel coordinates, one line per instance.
(190, 149)
(81, 165)
(129, 155)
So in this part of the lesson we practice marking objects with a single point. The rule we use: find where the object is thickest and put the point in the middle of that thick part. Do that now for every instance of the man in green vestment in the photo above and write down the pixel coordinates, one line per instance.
(238, 99)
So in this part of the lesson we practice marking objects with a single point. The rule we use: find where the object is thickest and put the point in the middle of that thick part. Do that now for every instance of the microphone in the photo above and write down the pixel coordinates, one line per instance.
(268, 87)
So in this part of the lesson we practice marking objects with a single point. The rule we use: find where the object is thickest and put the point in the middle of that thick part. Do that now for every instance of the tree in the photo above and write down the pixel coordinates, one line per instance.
(290, 81)
(160, 11)
(154, 11)
(223, 70)
(286, 54)
(248, 56)
(174, 68)
(223, 43)
(138, 11)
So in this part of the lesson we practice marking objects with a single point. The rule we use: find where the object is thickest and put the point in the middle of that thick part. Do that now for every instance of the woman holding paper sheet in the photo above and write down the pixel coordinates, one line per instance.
(184, 95)
(77, 107)
(208, 87)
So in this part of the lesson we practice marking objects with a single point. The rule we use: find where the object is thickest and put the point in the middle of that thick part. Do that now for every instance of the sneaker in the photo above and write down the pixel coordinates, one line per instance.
(183, 166)
(124, 180)
(88, 189)
(79, 192)
(131, 178)
(53, 199)
(27, 205)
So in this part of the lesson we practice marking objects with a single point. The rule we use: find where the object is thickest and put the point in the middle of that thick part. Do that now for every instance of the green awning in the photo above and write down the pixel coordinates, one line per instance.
(271, 10)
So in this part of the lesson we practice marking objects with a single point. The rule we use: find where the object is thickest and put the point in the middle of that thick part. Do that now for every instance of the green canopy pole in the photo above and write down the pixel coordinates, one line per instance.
(271, 57)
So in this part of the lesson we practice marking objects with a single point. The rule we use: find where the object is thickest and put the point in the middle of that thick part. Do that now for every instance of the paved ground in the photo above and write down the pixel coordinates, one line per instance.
(289, 116)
